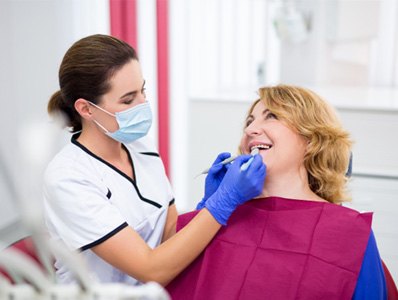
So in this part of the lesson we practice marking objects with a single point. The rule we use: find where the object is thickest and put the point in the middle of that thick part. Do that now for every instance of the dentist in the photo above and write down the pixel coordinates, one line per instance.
(106, 193)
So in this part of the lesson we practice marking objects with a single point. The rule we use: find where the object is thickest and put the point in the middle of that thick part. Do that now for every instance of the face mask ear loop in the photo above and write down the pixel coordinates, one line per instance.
(105, 111)
(102, 127)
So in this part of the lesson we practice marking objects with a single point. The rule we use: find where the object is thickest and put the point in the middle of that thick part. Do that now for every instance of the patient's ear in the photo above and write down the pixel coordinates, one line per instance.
(309, 148)
(83, 108)
(307, 144)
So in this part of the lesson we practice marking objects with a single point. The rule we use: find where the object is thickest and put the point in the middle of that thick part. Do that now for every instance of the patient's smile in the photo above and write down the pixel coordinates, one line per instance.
(261, 147)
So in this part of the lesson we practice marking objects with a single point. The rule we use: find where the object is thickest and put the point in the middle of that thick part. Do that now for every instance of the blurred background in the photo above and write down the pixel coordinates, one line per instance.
(203, 61)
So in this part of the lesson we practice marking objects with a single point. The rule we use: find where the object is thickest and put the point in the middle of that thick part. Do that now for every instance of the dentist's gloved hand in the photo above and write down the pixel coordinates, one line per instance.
(237, 187)
(214, 177)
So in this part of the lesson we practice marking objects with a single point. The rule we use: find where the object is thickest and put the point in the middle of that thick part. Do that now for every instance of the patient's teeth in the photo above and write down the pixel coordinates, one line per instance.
(265, 147)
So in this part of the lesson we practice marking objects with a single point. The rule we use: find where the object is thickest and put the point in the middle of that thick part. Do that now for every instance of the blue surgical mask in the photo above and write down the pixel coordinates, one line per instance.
(134, 123)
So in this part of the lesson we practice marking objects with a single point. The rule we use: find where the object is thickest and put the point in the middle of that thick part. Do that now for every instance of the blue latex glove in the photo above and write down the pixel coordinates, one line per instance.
(237, 187)
(214, 177)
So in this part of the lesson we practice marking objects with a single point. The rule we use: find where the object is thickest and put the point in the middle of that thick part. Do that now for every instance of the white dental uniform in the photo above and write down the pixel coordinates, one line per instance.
(87, 200)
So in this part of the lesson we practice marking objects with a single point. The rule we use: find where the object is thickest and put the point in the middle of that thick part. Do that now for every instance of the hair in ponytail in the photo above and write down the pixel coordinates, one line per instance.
(85, 72)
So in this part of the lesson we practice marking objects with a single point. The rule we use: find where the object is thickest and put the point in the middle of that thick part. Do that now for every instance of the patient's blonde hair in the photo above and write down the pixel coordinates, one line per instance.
(329, 145)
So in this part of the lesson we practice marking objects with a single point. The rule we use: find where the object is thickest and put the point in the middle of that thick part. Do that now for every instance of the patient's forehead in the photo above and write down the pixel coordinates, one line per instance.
(259, 108)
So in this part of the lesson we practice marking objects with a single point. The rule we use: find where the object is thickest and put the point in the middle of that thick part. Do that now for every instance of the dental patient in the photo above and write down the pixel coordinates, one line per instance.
(296, 240)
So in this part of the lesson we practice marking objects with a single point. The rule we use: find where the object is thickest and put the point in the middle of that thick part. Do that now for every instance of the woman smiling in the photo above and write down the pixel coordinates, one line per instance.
(295, 240)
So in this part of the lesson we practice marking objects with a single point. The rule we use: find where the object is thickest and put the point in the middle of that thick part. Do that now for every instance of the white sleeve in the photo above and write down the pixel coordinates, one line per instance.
(77, 209)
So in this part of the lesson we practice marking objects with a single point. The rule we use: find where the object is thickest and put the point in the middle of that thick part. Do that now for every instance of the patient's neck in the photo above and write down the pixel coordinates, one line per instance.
(292, 186)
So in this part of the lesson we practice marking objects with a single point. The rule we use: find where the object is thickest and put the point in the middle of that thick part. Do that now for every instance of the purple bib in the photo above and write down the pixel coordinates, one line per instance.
(276, 248)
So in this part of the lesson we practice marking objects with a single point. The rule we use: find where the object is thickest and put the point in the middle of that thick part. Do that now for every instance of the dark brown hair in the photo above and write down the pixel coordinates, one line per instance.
(85, 72)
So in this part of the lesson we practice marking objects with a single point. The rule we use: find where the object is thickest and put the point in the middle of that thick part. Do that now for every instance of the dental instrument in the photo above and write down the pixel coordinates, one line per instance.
(231, 159)
(25, 267)
(30, 217)
(74, 262)
(224, 162)
(248, 163)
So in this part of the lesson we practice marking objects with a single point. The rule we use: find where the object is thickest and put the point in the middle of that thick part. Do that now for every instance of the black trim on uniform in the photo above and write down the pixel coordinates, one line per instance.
(109, 194)
(172, 201)
(75, 142)
(131, 163)
(151, 153)
(104, 238)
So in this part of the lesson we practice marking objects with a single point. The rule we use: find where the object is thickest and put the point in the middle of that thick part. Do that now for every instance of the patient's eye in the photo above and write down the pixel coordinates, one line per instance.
(270, 115)
(248, 122)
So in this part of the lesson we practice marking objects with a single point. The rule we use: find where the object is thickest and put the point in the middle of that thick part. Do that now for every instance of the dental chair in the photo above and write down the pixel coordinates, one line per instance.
(27, 247)
(392, 292)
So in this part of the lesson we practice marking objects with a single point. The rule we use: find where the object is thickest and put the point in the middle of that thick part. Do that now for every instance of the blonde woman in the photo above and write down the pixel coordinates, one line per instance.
(296, 240)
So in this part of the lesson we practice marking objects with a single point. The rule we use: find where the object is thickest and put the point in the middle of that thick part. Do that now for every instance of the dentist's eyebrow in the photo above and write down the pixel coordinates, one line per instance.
(133, 93)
